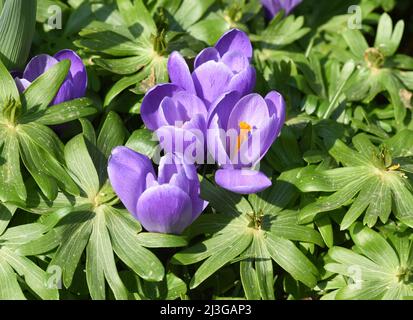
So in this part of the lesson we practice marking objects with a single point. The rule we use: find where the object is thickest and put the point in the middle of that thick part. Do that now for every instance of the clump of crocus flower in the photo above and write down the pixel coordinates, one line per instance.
(240, 132)
(75, 84)
(178, 111)
(272, 7)
(167, 203)
(212, 108)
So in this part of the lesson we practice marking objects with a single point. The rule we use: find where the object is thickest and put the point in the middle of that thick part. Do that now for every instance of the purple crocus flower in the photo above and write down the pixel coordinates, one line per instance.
(272, 7)
(224, 67)
(75, 83)
(240, 132)
(168, 203)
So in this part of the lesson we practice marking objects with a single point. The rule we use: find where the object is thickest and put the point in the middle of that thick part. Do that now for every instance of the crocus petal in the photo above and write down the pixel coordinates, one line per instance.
(179, 72)
(165, 209)
(127, 172)
(37, 66)
(272, 7)
(77, 71)
(244, 82)
(211, 80)
(66, 91)
(22, 84)
(251, 109)
(173, 114)
(243, 181)
(223, 106)
(206, 55)
(234, 40)
(190, 103)
(150, 112)
(236, 61)
(216, 141)
(276, 105)
(181, 142)
(258, 143)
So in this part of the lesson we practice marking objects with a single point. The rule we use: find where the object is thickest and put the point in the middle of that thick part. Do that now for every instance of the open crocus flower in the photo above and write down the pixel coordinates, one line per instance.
(75, 83)
(272, 7)
(240, 132)
(168, 203)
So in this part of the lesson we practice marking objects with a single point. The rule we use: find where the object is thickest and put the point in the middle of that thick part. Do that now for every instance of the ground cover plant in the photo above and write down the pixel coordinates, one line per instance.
(206, 149)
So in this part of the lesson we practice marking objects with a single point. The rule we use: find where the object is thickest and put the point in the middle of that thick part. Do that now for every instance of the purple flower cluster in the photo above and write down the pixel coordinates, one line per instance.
(210, 113)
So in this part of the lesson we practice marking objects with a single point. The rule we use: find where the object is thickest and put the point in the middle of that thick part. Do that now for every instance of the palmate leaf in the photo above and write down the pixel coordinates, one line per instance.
(137, 49)
(15, 267)
(252, 235)
(375, 270)
(25, 137)
(370, 181)
(89, 225)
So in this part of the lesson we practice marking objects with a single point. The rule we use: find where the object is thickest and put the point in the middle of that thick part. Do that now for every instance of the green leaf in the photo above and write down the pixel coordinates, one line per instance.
(143, 141)
(8, 87)
(356, 42)
(375, 247)
(17, 26)
(249, 280)
(62, 113)
(159, 240)
(100, 261)
(123, 84)
(41, 159)
(221, 258)
(41, 92)
(9, 286)
(291, 259)
(6, 213)
(35, 277)
(11, 186)
(81, 166)
(191, 11)
(137, 13)
(127, 247)
(224, 201)
(75, 235)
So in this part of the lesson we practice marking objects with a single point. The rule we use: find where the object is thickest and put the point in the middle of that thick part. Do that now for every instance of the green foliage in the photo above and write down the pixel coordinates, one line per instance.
(336, 222)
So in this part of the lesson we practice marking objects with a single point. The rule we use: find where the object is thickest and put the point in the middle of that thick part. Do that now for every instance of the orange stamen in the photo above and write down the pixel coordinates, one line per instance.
(245, 128)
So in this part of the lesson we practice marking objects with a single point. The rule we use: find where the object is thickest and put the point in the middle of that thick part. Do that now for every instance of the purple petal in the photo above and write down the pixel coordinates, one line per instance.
(244, 82)
(236, 61)
(37, 66)
(151, 114)
(179, 72)
(191, 104)
(234, 40)
(181, 142)
(66, 91)
(77, 71)
(216, 141)
(251, 109)
(276, 105)
(258, 143)
(211, 80)
(272, 7)
(22, 84)
(173, 114)
(165, 209)
(242, 181)
(206, 55)
(127, 172)
(223, 106)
